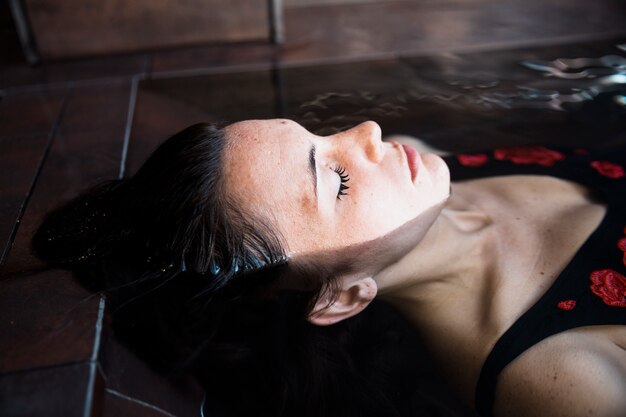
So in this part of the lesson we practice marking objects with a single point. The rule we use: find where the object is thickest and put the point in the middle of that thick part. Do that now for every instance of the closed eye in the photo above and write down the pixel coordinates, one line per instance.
(344, 178)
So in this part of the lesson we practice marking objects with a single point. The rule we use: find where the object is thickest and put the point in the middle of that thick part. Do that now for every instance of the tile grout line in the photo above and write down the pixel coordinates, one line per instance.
(147, 65)
(51, 135)
(93, 362)
(138, 401)
(87, 82)
(45, 367)
(132, 101)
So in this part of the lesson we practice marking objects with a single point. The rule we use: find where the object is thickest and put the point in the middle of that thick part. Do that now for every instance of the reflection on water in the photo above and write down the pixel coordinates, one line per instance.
(607, 75)
(567, 95)
(356, 107)
(563, 84)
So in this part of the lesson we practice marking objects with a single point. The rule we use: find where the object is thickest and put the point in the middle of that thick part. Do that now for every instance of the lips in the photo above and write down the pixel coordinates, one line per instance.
(413, 160)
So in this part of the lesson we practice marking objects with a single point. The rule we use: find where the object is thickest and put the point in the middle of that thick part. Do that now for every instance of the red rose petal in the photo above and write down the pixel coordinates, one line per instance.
(609, 285)
(608, 169)
(621, 244)
(529, 155)
(567, 305)
(474, 160)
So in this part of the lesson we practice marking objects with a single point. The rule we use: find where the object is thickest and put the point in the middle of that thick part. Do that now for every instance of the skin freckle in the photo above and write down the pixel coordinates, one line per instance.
(305, 202)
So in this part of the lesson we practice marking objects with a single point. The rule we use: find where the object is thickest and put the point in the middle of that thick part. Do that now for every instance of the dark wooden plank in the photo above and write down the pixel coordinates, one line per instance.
(355, 30)
(337, 31)
(54, 392)
(306, 3)
(77, 27)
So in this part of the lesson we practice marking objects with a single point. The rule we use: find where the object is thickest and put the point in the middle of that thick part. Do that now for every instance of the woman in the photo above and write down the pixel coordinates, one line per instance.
(264, 208)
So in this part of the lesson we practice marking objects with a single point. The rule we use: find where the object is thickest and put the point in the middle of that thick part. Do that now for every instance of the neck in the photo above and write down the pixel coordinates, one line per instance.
(446, 285)
(456, 254)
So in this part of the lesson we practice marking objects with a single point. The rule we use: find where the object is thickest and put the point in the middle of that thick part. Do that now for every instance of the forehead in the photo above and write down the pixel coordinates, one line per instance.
(264, 149)
(265, 169)
(265, 136)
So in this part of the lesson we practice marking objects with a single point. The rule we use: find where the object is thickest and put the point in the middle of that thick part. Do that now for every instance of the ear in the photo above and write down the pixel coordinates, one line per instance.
(354, 297)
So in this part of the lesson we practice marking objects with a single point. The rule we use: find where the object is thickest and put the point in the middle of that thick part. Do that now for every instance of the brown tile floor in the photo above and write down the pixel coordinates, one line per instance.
(447, 71)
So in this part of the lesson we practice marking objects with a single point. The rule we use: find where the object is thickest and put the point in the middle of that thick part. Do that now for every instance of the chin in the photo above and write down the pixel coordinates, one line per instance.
(439, 175)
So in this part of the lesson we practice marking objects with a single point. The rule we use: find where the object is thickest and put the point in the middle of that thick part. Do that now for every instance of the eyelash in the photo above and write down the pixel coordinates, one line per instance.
(344, 178)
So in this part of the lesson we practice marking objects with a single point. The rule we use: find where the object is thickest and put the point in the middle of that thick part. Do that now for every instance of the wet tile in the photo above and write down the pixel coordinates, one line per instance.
(29, 114)
(20, 159)
(86, 149)
(76, 161)
(189, 100)
(26, 121)
(98, 108)
(214, 56)
(128, 375)
(54, 392)
(20, 75)
(46, 319)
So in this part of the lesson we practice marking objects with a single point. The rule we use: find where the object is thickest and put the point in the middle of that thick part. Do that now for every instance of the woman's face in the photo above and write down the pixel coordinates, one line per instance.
(332, 192)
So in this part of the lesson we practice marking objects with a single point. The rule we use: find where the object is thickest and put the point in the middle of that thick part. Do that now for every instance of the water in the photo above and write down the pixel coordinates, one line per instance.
(572, 81)
(585, 79)
(462, 102)
(566, 95)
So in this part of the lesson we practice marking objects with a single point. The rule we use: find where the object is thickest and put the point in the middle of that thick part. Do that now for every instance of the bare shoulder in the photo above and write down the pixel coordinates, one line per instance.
(576, 373)
(417, 143)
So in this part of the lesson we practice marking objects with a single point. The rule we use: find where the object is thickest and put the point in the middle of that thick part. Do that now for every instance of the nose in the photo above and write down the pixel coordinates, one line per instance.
(368, 136)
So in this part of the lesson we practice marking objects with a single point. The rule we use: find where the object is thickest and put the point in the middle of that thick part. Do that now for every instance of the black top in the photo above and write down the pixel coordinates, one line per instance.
(591, 290)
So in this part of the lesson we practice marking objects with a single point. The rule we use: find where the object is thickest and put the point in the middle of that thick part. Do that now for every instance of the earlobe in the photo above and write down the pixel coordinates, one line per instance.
(354, 297)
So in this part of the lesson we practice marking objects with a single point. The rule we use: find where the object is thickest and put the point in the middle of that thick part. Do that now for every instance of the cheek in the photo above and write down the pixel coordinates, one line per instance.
(300, 231)
(384, 202)
(373, 214)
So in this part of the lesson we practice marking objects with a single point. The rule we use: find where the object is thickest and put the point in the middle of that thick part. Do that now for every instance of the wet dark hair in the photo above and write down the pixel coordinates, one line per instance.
(173, 216)
(190, 281)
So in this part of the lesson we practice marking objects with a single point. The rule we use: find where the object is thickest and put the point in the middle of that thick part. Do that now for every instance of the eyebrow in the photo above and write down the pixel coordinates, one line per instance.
(313, 169)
